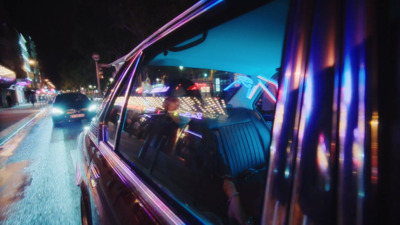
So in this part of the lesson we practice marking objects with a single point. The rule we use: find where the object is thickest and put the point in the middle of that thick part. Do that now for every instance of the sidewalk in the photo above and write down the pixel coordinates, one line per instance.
(14, 119)
(23, 106)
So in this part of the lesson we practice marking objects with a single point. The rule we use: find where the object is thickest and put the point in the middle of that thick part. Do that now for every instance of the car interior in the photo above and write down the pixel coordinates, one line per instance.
(199, 111)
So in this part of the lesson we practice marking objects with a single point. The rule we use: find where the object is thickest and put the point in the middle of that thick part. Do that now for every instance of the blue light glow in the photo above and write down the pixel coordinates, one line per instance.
(92, 108)
(241, 80)
(57, 111)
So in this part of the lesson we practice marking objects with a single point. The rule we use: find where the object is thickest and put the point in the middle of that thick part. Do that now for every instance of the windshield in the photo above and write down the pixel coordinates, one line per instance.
(71, 99)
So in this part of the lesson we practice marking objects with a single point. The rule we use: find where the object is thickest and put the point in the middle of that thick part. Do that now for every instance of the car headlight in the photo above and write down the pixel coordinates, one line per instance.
(92, 108)
(57, 111)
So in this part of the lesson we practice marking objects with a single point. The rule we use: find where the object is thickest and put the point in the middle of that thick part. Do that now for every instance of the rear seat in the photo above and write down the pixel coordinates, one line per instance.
(243, 141)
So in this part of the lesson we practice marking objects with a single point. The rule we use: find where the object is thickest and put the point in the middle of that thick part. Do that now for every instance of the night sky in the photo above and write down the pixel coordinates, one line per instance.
(68, 32)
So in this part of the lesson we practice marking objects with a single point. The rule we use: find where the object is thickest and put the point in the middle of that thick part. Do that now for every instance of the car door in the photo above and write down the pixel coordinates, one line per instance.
(114, 199)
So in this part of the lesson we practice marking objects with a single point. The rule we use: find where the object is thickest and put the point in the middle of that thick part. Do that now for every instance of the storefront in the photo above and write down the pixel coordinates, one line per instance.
(7, 78)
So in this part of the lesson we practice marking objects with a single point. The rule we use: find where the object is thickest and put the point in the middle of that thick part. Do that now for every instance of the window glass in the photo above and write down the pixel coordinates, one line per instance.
(266, 101)
(113, 115)
(194, 122)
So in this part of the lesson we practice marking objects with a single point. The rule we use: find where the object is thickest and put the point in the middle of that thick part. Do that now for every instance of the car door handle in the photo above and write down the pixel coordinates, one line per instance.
(94, 172)
(94, 175)
(98, 154)
(93, 149)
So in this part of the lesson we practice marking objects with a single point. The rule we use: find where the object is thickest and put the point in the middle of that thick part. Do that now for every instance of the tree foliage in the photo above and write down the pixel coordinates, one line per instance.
(68, 32)
(112, 29)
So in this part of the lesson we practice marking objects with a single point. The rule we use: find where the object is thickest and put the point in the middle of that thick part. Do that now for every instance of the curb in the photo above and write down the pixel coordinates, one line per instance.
(13, 130)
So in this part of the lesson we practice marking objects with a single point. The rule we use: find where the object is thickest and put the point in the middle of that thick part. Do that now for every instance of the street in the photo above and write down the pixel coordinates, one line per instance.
(37, 174)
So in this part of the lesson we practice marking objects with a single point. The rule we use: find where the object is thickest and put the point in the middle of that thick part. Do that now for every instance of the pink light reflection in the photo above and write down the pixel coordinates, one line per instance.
(147, 195)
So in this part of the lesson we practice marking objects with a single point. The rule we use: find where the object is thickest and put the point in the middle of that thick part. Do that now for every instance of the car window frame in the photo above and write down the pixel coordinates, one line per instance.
(144, 58)
(114, 89)
(127, 75)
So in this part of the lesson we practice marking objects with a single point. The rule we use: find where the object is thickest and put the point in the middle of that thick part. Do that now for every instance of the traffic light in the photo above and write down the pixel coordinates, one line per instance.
(101, 72)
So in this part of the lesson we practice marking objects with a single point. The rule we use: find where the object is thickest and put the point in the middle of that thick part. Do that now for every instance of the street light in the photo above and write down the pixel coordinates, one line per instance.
(96, 58)
(32, 62)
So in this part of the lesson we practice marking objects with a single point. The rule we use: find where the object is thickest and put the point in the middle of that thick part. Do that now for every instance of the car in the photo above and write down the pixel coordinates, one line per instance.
(69, 107)
(250, 112)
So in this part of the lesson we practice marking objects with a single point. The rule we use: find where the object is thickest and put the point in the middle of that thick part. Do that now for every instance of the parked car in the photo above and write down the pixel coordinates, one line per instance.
(251, 112)
(69, 107)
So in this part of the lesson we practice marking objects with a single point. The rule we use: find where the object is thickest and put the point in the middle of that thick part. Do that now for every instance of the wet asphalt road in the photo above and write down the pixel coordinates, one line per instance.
(37, 175)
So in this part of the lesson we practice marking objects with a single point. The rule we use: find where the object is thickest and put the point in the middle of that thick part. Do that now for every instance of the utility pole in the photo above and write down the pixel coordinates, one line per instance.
(96, 58)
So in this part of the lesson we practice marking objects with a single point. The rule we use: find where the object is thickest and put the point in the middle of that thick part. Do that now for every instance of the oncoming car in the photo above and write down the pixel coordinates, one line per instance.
(71, 107)
(250, 112)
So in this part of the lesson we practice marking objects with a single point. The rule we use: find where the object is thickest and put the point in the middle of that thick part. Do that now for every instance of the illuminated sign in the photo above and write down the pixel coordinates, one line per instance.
(241, 80)
(197, 115)
(217, 85)
(158, 90)
(249, 84)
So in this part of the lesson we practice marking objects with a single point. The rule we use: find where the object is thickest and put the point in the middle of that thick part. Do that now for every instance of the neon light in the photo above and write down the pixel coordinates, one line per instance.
(196, 86)
(249, 83)
(241, 80)
(193, 133)
(268, 92)
(193, 88)
(197, 115)
(253, 91)
(273, 82)
(159, 90)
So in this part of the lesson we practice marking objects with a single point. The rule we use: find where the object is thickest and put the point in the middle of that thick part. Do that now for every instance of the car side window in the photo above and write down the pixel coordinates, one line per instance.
(179, 131)
(165, 135)
(192, 127)
(114, 112)
(114, 115)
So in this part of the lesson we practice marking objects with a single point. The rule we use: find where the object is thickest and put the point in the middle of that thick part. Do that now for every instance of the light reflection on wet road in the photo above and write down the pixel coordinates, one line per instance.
(37, 180)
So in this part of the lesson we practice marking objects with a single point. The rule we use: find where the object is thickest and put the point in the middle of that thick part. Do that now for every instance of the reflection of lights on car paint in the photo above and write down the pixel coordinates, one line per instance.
(86, 128)
(92, 182)
(92, 108)
(287, 172)
(126, 174)
(57, 111)
(374, 146)
(322, 155)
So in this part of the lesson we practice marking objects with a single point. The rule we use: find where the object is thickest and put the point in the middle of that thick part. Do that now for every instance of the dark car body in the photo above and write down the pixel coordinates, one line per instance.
(293, 105)
(69, 107)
